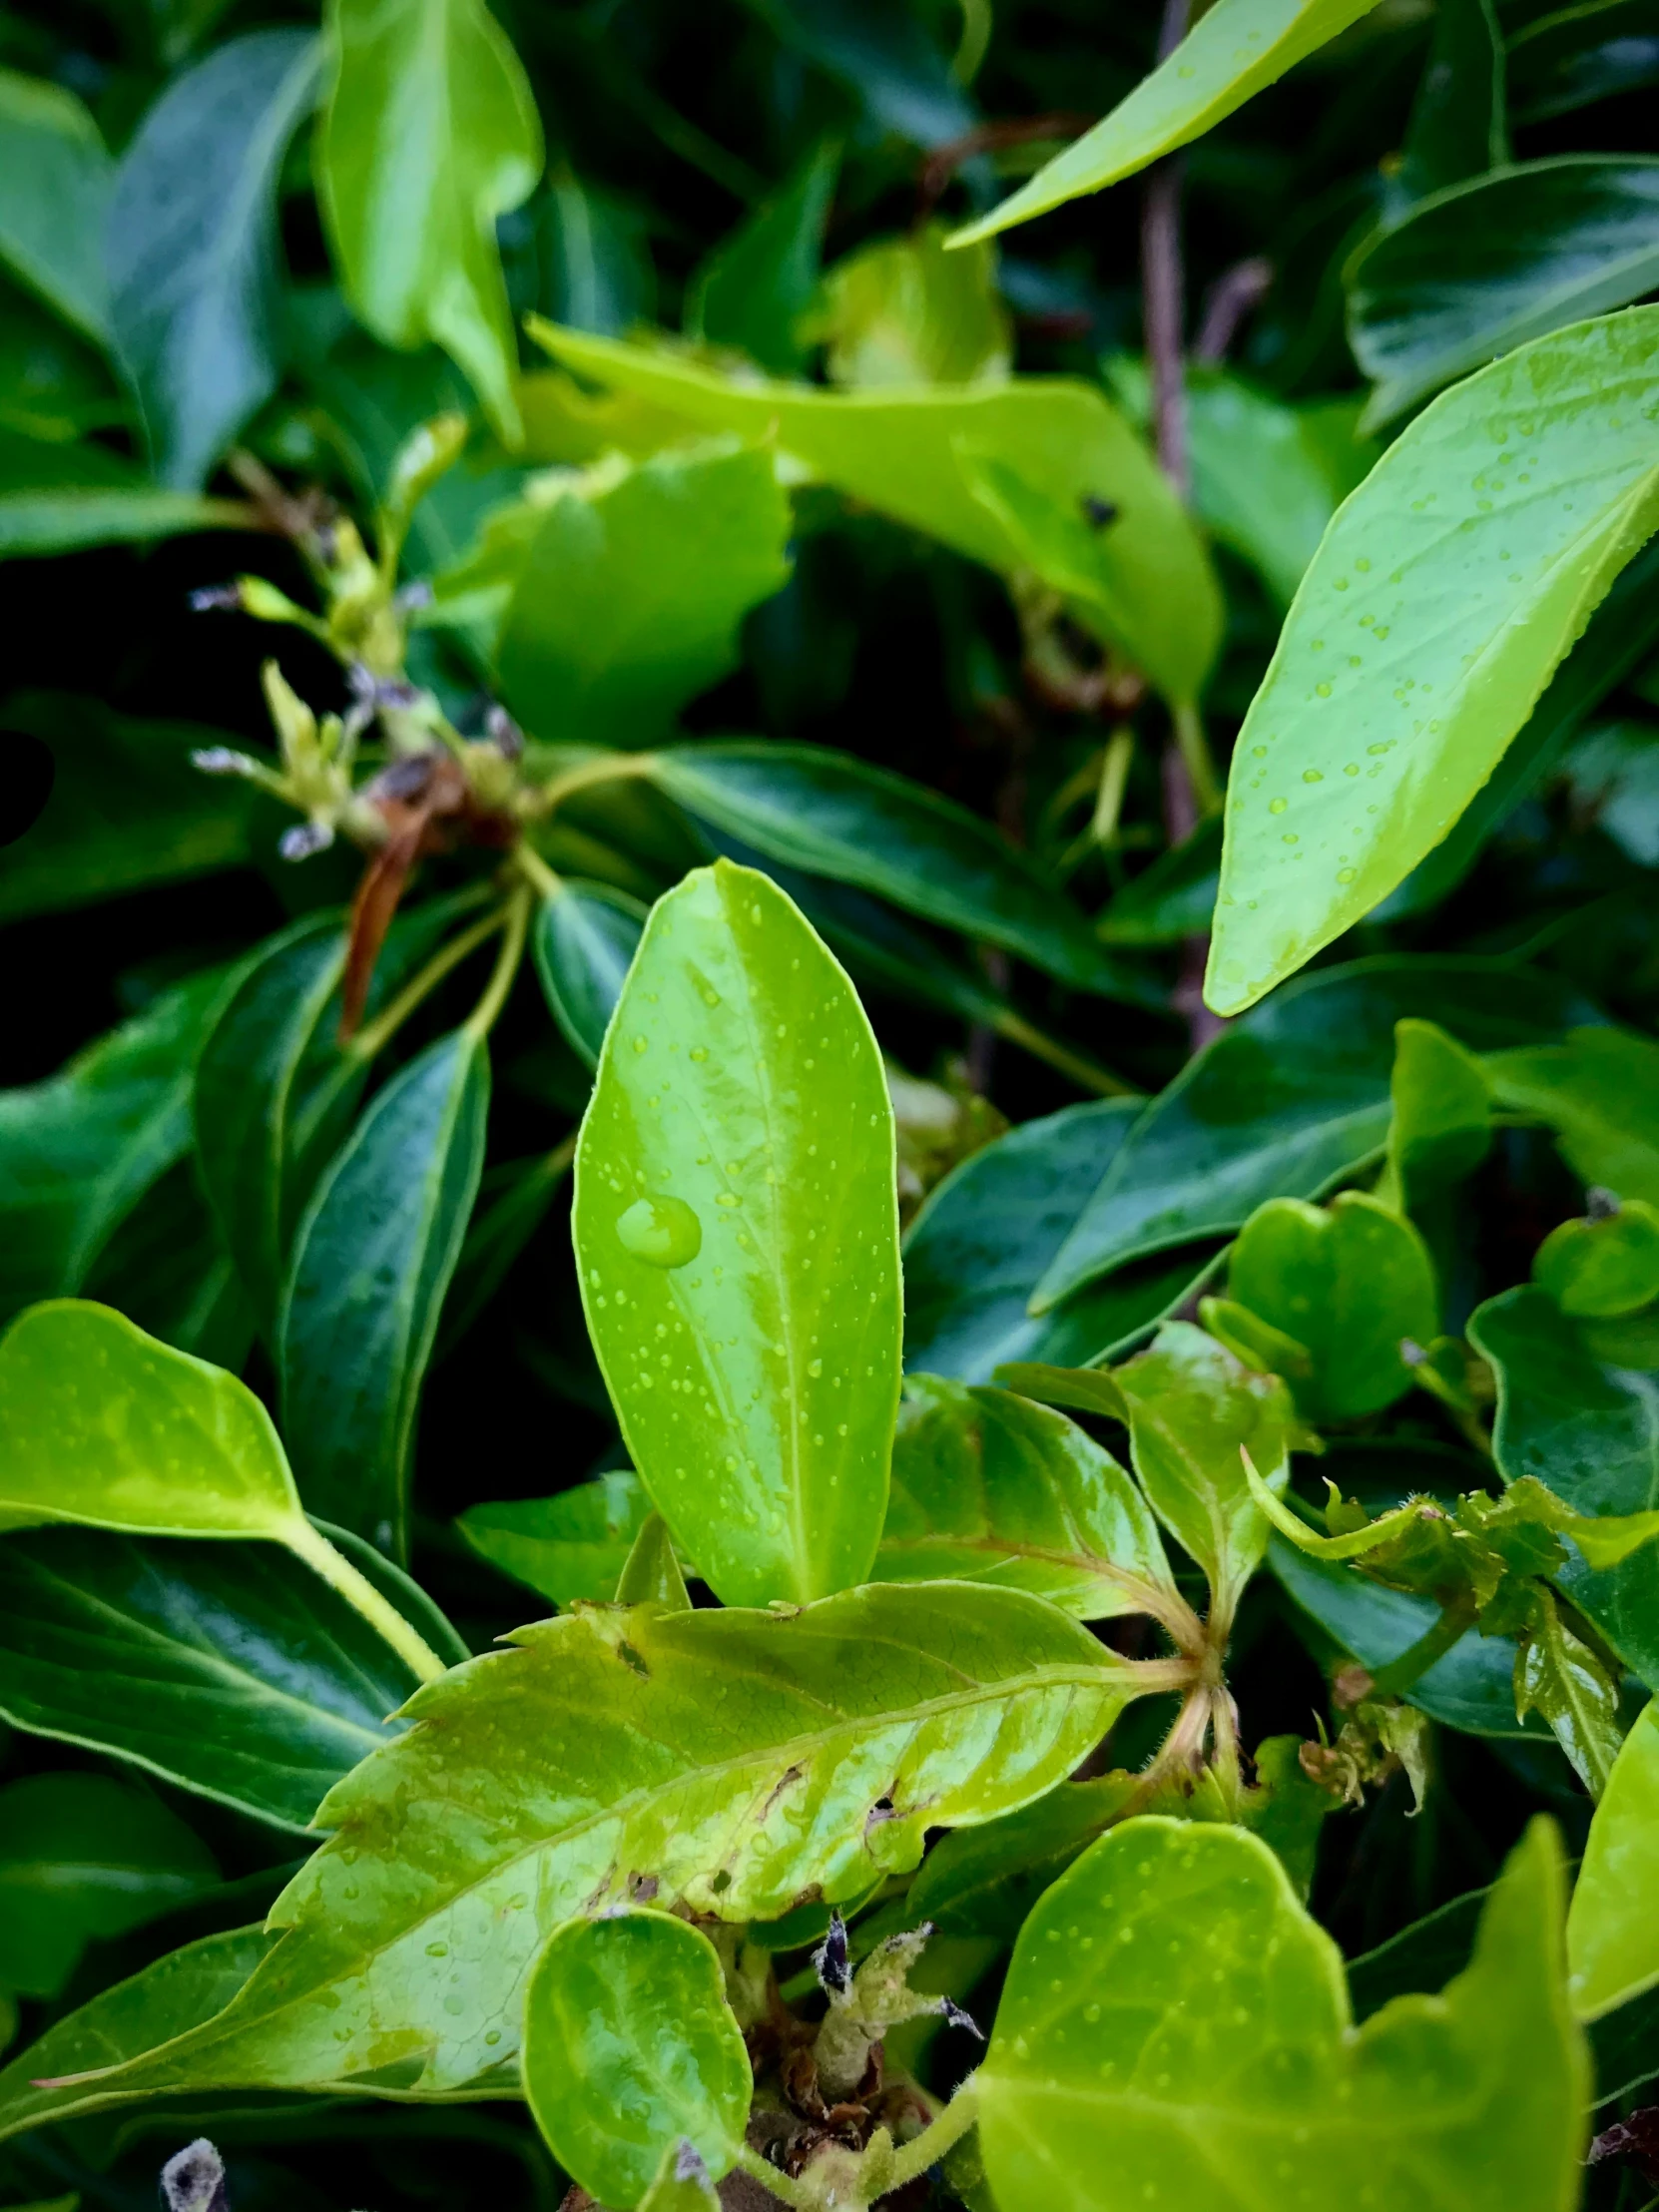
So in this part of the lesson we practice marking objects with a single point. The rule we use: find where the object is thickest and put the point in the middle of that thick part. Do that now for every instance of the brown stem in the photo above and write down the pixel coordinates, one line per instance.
(1234, 295)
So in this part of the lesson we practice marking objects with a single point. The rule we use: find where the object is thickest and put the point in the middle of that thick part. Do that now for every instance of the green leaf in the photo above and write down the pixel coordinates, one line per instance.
(1575, 1410)
(54, 198)
(167, 1269)
(651, 1574)
(584, 940)
(1597, 1092)
(430, 133)
(58, 499)
(83, 1857)
(754, 288)
(372, 1260)
(227, 1669)
(1480, 268)
(1414, 651)
(1440, 1118)
(1290, 1102)
(193, 258)
(1571, 56)
(1459, 120)
(1235, 49)
(1349, 1280)
(905, 312)
(595, 267)
(1614, 1922)
(842, 818)
(571, 1546)
(78, 1151)
(738, 1758)
(988, 1487)
(127, 809)
(974, 1252)
(985, 1881)
(735, 1192)
(629, 596)
(630, 2049)
(1560, 1677)
(169, 1998)
(1224, 2045)
(1170, 899)
(901, 451)
(1602, 1268)
(885, 57)
(53, 383)
(1612, 776)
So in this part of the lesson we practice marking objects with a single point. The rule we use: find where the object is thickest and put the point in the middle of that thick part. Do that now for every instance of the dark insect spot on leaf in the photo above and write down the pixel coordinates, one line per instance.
(27, 773)
(720, 1882)
(642, 1888)
(1097, 512)
(791, 1774)
(883, 1809)
(831, 1961)
(630, 1657)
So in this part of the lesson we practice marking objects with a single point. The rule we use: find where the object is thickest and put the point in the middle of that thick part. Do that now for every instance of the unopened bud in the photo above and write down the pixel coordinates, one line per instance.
(305, 839)
(216, 599)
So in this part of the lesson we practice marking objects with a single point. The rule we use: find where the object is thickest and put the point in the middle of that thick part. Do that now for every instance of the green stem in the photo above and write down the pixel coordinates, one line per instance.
(1041, 1046)
(1399, 1674)
(780, 2184)
(377, 1035)
(1194, 747)
(928, 2148)
(536, 870)
(310, 1544)
(609, 768)
(482, 1019)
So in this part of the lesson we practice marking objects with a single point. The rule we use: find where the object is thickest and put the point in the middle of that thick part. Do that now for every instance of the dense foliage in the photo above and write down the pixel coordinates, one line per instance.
(829, 839)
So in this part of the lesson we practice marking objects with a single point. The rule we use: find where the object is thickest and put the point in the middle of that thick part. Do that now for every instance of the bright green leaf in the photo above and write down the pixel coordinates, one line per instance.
(905, 312)
(1233, 50)
(988, 1487)
(1441, 1117)
(651, 1574)
(372, 1260)
(735, 1189)
(1481, 267)
(1415, 650)
(1599, 1269)
(630, 2049)
(54, 198)
(1203, 2034)
(59, 498)
(1600, 1092)
(585, 937)
(430, 133)
(83, 1855)
(1349, 1280)
(1613, 1923)
(194, 258)
(1560, 1677)
(898, 451)
(754, 288)
(571, 1546)
(632, 590)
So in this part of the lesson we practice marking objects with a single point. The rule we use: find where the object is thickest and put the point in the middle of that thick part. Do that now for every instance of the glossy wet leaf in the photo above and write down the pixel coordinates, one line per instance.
(1563, 1678)
(1235, 49)
(1570, 57)
(906, 311)
(1596, 1091)
(988, 1487)
(585, 938)
(227, 1669)
(1485, 265)
(651, 1573)
(54, 198)
(1205, 2035)
(193, 257)
(738, 1758)
(167, 1269)
(372, 1260)
(58, 499)
(1381, 715)
(842, 818)
(78, 1151)
(573, 1545)
(1286, 1103)
(429, 134)
(1440, 1120)
(169, 1998)
(898, 451)
(975, 1251)
(1613, 1923)
(1604, 1267)
(83, 1855)
(127, 808)
(630, 2049)
(629, 596)
(736, 1233)
(513, 1202)
(1459, 119)
(1349, 1280)
(756, 286)
(1576, 1409)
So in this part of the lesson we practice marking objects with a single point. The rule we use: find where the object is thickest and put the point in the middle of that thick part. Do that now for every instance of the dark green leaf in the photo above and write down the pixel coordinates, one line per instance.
(58, 499)
(885, 58)
(1173, 898)
(373, 1260)
(519, 1194)
(756, 286)
(571, 1546)
(1290, 1102)
(193, 258)
(974, 1254)
(1574, 55)
(841, 818)
(1600, 1092)
(985, 1880)
(228, 1669)
(1459, 123)
(54, 198)
(585, 937)
(53, 385)
(166, 1267)
(1602, 1268)
(83, 1855)
(1440, 1121)
(630, 2049)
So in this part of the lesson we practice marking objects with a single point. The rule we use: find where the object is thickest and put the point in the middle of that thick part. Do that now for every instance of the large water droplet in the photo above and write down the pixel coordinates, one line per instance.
(663, 1232)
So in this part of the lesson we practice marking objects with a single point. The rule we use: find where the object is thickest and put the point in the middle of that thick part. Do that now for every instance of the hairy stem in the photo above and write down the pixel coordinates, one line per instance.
(946, 2130)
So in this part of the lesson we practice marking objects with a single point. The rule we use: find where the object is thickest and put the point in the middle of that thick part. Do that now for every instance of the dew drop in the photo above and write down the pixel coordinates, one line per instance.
(1324, 689)
(663, 1232)
(1277, 805)
(1346, 874)
(1313, 775)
